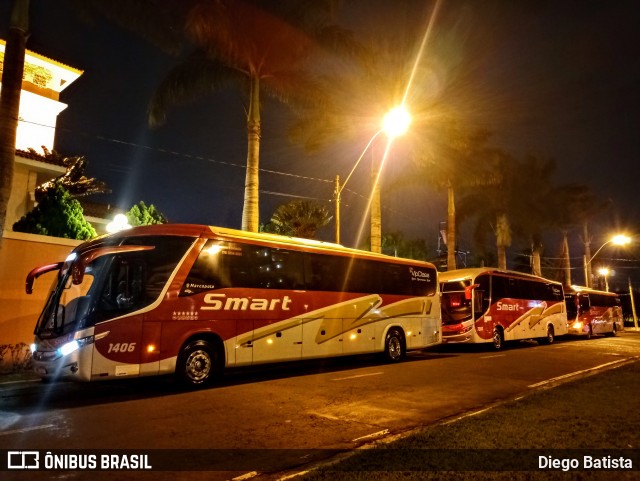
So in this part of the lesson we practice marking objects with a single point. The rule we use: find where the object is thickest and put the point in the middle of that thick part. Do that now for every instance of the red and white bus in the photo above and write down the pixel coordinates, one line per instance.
(590, 311)
(193, 300)
(492, 305)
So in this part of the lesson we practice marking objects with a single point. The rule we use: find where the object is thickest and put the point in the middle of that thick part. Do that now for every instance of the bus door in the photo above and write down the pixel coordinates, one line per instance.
(507, 310)
(119, 328)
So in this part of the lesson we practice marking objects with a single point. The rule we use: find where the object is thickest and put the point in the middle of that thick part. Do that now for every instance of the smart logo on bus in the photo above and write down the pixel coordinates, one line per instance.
(507, 306)
(220, 302)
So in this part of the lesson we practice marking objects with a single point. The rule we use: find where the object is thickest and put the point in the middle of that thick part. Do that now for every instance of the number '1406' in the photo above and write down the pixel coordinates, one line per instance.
(122, 347)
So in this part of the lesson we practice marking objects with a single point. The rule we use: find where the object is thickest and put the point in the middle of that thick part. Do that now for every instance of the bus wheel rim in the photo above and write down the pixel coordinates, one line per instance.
(497, 338)
(395, 348)
(198, 365)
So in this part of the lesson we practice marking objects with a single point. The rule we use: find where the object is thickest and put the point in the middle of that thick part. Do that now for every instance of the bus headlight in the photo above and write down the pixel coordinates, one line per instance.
(577, 325)
(74, 345)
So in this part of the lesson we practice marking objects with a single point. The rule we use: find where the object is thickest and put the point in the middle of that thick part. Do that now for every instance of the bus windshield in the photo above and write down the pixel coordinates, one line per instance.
(109, 281)
(68, 303)
(456, 302)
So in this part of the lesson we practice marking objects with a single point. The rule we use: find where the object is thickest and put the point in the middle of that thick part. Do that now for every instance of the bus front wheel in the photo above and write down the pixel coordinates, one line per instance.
(394, 347)
(498, 339)
(197, 364)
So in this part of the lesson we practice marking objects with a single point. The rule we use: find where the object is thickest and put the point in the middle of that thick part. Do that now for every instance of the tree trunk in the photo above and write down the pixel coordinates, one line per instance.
(250, 211)
(536, 265)
(13, 70)
(566, 261)
(536, 251)
(587, 254)
(376, 210)
(503, 239)
(451, 229)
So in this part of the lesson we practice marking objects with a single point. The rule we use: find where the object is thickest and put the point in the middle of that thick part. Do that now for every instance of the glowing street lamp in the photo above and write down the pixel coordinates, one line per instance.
(118, 223)
(395, 123)
(619, 240)
(605, 272)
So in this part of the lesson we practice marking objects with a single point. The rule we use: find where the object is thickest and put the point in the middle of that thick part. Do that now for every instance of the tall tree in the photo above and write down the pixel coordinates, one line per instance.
(299, 218)
(12, 72)
(143, 214)
(519, 205)
(577, 205)
(57, 215)
(261, 46)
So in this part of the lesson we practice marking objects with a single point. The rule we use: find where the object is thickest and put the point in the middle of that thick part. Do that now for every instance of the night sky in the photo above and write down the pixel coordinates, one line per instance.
(556, 78)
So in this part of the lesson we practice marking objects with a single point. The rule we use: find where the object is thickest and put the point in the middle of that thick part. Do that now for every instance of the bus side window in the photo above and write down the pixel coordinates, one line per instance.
(584, 303)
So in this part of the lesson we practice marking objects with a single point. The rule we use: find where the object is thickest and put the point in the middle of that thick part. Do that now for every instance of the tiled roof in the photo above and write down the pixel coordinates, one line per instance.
(40, 158)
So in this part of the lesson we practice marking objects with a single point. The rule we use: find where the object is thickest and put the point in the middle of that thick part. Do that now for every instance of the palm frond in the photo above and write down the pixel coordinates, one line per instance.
(197, 75)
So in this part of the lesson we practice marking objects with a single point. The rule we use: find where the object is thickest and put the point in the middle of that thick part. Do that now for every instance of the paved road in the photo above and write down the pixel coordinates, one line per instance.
(322, 405)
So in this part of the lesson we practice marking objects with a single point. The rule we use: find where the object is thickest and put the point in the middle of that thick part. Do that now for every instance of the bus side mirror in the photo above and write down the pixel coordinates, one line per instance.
(468, 291)
(37, 272)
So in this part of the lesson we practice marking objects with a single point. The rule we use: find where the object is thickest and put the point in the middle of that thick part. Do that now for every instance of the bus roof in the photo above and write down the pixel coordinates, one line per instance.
(588, 290)
(213, 232)
(473, 272)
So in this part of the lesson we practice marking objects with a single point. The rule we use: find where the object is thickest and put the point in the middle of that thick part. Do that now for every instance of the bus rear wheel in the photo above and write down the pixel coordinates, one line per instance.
(198, 364)
(550, 337)
(394, 347)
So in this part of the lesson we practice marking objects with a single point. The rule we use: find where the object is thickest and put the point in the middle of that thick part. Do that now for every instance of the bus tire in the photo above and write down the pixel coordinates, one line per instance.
(550, 337)
(589, 332)
(498, 339)
(614, 330)
(394, 346)
(198, 364)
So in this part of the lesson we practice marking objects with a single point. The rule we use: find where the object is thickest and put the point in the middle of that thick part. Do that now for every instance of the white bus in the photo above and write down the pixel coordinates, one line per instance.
(483, 305)
(193, 300)
(590, 311)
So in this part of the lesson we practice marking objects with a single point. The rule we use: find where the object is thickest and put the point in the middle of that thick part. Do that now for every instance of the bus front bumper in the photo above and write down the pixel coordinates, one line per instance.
(578, 329)
(457, 338)
(75, 365)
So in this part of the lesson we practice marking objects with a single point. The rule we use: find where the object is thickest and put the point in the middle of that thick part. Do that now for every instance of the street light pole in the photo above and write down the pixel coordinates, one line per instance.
(619, 240)
(633, 306)
(394, 124)
(605, 272)
(339, 188)
(336, 196)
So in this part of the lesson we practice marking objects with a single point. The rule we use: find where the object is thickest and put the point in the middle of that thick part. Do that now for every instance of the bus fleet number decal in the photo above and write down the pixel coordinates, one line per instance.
(122, 347)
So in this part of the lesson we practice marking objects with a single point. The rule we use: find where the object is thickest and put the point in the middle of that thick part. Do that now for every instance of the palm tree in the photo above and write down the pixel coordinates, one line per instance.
(577, 205)
(13, 69)
(299, 218)
(522, 204)
(261, 46)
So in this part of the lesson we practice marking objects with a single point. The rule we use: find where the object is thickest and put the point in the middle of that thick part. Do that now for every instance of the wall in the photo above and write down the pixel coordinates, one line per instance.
(19, 253)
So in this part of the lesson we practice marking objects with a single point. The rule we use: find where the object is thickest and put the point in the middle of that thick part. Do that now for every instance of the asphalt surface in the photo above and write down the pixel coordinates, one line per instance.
(613, 434)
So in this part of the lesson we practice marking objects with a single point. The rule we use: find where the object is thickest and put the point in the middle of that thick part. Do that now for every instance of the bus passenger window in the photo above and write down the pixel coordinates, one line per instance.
(585, 304)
